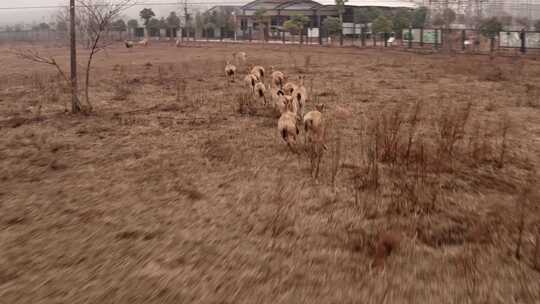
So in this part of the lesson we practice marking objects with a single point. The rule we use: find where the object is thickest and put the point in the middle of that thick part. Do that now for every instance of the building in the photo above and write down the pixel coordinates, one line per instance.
(279, 11)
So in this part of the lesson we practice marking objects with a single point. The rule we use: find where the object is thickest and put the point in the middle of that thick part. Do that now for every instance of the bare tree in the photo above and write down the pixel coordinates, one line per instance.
(99, 14)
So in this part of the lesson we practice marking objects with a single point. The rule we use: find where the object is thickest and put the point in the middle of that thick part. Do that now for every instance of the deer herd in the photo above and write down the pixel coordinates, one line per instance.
(288, 100)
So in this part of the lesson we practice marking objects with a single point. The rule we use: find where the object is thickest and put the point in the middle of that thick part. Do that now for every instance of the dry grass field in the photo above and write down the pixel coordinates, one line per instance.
(176, 189)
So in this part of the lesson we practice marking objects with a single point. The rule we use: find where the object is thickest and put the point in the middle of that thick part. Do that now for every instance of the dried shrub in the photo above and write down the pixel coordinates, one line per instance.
(315, 153)
(181, 86)
(244, 104)
(387, 132)
(387, 243)
(121, 88)
(532, 95)
(504, 140)
(307, 62)
(451, 128)
(336, 157)
(494, 74)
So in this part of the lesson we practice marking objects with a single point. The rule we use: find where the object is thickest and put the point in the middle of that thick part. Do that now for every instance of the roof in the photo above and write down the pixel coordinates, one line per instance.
(378, 3)
(283, 4)
(234, 7)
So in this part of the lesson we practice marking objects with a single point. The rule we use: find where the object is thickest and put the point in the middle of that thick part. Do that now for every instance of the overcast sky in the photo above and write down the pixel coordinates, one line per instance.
(44, 15)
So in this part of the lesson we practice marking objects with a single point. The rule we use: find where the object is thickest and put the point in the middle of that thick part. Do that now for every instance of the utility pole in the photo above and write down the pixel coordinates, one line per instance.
(186, 17)
(75, 104)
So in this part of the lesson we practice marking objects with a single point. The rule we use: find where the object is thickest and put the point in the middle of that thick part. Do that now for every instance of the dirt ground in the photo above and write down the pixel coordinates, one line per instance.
(175, 190)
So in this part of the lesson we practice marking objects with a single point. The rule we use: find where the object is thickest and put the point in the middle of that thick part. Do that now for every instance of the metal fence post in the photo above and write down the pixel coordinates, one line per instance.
(283, 37)
(221, 33)
(463, 39)
(341, 38)
(385, 37)
(422, 36)
(374, 36)
(436, 38)
(249, 33)
(410, 37)
(523, 37)
(363, 35)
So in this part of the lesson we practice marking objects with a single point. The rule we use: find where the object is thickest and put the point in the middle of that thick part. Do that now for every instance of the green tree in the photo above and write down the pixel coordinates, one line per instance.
(382, 25)
(402, 20)
(61, 26)
(373, 13)
(360, 15)
(173, 21)
(44, 26)
(523, 22)
(146, 14)
(490, 27)
(262, 18)
(119, 25)
(419, 17)
(133, 24)
(445, 19)
(340, 5)
(221, 18)
(537, 25)
(153, 24)
(505, 19)
(449, 16)
(296, 24)
(163, 23)
(332, 25)
(202, 21)
(291, 27)
(153, 27)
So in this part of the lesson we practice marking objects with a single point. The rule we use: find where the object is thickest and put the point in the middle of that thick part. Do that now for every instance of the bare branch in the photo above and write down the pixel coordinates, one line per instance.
(34, 56)
(99, 15)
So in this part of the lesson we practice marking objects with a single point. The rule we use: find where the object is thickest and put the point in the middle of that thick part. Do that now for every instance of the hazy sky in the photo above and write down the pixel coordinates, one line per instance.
(44, 15)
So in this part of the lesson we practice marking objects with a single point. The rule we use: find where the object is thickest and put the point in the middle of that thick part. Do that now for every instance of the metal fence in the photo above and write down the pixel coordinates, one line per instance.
(53, 36)
(435, 39)
(454, 40)
(472, 40)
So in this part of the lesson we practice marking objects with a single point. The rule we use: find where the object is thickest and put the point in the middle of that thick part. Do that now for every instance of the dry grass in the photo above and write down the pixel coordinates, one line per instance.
(179, 189)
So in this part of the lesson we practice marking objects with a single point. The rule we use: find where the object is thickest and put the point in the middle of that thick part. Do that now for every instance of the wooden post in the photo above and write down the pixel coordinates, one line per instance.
(75, 105)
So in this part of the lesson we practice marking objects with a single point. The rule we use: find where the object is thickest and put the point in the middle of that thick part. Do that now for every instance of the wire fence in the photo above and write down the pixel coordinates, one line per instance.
(426, 39)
